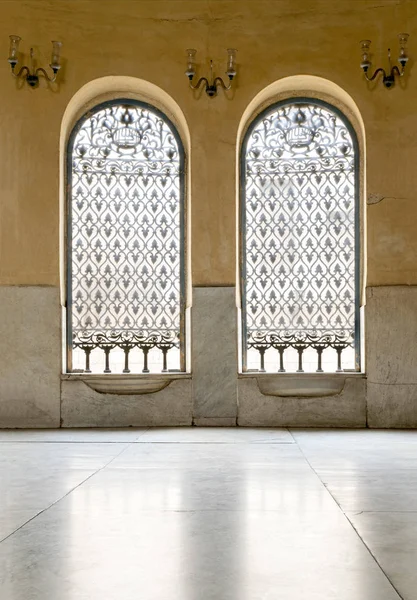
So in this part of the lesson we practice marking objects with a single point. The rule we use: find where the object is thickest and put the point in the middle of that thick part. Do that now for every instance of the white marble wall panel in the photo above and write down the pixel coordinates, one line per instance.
(81, 406)
(30, 350)
(347, 409)
(30, 365)
(392, 406)
(214, 356)
(214, 421)
(391, 356)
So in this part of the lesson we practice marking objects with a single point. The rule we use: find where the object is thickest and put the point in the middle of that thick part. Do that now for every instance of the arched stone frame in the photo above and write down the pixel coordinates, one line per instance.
(325, 92)
(108, 90)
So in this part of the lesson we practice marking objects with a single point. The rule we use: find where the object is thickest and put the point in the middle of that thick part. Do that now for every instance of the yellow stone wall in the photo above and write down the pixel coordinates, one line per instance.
(147, 39)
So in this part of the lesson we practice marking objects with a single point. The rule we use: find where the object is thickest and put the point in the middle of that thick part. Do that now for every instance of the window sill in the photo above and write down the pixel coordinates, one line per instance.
(126, 384)
(301, 385)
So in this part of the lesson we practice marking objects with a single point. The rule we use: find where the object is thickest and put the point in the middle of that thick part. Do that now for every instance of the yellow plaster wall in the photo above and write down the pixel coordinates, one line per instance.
(147, 39)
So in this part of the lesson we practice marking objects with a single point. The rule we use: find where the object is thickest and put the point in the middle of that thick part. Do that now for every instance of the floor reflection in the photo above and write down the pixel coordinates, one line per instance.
(213, 520)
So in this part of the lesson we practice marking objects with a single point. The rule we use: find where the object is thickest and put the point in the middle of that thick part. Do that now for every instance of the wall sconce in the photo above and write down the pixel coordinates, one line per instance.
(212, 83)
(30, 73)
(388, 79)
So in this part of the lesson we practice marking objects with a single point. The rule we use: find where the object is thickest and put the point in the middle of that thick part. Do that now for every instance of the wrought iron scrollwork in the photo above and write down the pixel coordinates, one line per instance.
(126, 234)
(299, 246)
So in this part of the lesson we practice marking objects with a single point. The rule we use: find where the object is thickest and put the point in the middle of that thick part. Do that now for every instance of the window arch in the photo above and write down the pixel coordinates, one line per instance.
(299, 242)
(125, 241)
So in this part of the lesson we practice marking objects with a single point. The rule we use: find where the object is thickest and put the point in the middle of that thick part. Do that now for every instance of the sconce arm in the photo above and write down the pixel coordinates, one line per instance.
(41, 71)
(20, 72)
(199, 83)
(395, 69)
(380, 70)
(219, 80)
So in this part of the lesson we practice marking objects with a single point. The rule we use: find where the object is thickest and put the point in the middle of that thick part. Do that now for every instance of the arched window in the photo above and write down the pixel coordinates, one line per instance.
(125, 241)
(300, 240)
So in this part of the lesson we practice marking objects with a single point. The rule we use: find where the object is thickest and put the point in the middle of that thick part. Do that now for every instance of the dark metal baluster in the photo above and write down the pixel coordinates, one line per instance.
(319, 353)
(126, 369)
(87, 360)
(145, 360)
(262, 353)
(165, 362)
(107, 354)
(281, 360)
(339, 360)
(300, 360)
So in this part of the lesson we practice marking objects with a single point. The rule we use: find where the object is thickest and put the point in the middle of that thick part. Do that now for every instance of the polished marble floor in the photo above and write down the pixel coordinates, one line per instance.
(208, 514)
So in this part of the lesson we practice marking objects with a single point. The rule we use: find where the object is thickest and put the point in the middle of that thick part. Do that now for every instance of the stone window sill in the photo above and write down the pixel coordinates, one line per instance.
(125, 384)
(301, 385)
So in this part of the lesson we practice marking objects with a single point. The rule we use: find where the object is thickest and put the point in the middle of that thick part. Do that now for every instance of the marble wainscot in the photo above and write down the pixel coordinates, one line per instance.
(391, 342)
(214, 356)
(119, 401)
(30, 344)
(302, 400)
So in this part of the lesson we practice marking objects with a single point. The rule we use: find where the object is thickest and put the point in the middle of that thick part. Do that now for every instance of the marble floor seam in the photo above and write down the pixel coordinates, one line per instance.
(213, 513)
(374, 557)
(44, 510)
(350, 522)
(355, 513)
(89, 442)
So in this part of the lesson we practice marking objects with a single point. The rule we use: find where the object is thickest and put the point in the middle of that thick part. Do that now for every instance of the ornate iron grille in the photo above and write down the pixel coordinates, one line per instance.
(125, 237)
(299, 240)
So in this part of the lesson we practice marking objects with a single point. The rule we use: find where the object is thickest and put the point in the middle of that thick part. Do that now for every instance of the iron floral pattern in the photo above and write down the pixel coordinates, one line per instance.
(299, 235)
(126, 274)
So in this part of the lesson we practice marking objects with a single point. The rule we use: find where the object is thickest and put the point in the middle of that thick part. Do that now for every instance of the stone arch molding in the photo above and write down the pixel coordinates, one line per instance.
(93, 93)
(308, 86)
